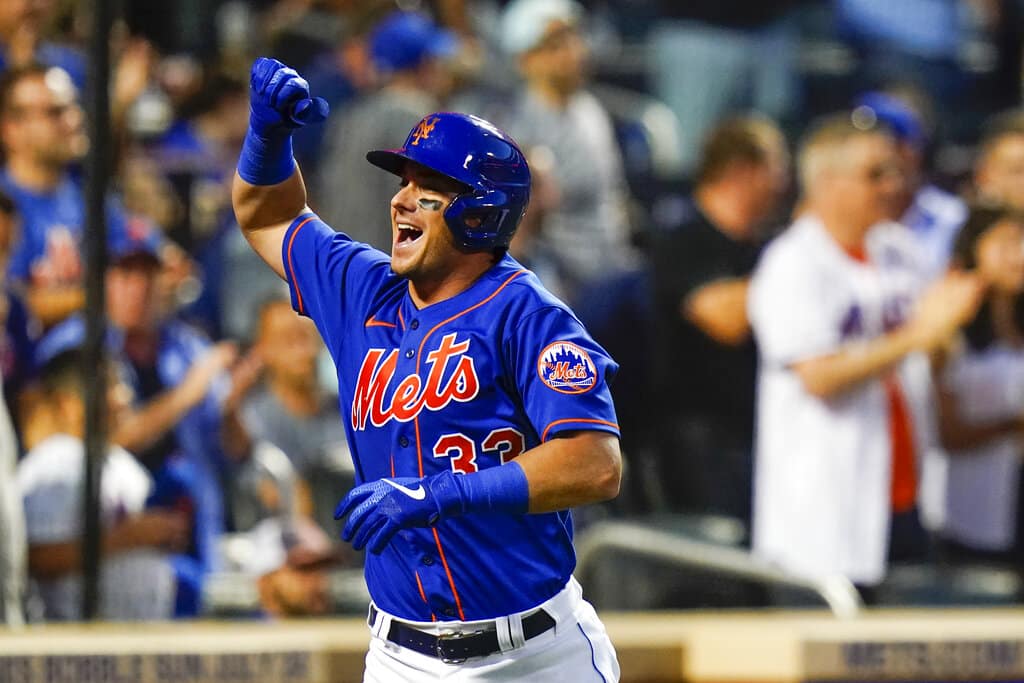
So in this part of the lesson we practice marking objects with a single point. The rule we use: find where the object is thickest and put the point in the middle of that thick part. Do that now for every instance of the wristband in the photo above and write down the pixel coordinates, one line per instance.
(266, 160)
(502, 489)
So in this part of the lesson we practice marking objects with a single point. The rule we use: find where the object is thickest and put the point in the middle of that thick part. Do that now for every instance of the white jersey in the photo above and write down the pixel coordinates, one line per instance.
(823, 467)
(982, 482)
(135, 585)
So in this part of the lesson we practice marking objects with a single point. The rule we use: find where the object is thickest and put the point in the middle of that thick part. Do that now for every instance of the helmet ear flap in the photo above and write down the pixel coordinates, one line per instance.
(481, 219)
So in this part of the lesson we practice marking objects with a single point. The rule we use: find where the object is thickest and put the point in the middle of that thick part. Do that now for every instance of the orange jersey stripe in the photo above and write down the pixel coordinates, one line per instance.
(373, 322)
(544, 436)
(291, 268)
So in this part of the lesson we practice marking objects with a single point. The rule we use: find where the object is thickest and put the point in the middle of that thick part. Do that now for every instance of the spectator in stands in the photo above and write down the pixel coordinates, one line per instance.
(179, 380)
(136, 580)
(999, 168)
(583, 237)
(933, 215)
(340, 74)
(706, 354)
(23, 25)
(408, 51)
(41, 137)
(832, 308)
(716, 58)
(196, 156)
(981, 401)
(291, 410)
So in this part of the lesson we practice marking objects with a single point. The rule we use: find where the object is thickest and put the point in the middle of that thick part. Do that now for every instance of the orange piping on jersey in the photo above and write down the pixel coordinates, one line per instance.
(400, 319)
(433, 617)
(575, 419)
(392, 464)
(419, 452)
(291, 268)
(420, 585)
(373, 322)
(416, 420)
(451, 582)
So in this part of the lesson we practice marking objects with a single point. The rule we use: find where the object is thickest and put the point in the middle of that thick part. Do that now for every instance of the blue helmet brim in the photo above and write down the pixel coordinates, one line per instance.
(394, 161)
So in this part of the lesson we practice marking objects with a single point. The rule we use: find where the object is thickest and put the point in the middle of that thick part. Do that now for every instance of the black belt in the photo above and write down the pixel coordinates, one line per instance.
(458, 647)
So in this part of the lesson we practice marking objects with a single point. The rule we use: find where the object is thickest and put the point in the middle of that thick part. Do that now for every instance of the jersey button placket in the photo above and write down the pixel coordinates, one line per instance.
(403, 441)
(410, 353)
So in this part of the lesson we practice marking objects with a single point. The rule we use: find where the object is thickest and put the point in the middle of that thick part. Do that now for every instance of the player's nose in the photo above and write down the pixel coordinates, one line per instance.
(404, 199)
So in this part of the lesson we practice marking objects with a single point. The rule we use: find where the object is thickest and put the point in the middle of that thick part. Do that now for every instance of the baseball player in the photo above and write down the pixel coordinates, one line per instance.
(475, 404)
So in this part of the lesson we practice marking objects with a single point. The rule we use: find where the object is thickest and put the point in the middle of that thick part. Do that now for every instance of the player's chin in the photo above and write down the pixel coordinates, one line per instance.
(401, 264)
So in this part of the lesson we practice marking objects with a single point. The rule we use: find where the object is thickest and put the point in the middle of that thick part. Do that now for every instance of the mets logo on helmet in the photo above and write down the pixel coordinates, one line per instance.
(423, 129)
(566, 368)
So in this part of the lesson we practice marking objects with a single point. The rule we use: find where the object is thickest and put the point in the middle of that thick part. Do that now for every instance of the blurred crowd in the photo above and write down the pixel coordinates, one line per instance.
(797, 225)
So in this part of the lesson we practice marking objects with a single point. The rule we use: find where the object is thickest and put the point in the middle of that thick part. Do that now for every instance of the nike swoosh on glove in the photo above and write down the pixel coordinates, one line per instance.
(379, 509)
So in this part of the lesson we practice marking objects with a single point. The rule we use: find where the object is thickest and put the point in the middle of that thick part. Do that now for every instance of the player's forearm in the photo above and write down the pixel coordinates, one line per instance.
(829, 376)
(267, 206)
(578, 469)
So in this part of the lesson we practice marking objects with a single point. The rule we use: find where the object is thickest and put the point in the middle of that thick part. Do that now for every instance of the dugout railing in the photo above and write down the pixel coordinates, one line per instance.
(642, 541)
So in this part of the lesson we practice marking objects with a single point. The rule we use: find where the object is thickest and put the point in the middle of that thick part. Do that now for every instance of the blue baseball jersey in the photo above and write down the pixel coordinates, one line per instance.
(50, 214)
(464, 384)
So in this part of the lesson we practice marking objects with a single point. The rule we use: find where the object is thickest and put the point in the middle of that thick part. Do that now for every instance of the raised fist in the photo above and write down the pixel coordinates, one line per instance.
(280, 100)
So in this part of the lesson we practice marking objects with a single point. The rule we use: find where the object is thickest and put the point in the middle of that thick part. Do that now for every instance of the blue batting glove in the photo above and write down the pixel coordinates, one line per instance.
(379, 509)
(280, 101)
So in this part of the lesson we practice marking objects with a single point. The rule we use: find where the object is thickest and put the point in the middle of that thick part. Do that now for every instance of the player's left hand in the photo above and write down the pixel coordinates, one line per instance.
(279, 100)
(379, 509)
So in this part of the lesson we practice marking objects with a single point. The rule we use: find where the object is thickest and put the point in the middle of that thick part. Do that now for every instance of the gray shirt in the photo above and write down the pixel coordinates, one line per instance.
(587, 233)
(352, 195)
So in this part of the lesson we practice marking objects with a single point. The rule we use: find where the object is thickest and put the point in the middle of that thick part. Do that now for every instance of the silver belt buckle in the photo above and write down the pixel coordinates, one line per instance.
(454, 635)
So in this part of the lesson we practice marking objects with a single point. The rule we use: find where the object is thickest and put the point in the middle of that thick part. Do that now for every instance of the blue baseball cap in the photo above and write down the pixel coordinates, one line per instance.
(894, 114)
(135, 238)
(404, 40)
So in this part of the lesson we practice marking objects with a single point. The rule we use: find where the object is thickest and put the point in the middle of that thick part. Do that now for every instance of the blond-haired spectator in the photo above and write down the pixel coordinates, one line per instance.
(832, 304)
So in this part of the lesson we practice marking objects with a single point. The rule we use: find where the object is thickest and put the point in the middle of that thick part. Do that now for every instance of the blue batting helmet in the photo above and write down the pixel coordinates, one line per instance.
(481, 157)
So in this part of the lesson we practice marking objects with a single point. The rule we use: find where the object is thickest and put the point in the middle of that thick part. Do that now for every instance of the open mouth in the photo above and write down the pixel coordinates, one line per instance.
(407, 233)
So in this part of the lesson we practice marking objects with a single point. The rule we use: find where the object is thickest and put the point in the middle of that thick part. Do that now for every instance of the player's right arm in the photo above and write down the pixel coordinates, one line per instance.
(268, 193)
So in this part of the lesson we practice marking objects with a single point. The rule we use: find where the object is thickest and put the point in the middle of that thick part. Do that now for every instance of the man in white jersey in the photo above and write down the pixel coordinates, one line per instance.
(832, 306)
(136, 578)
